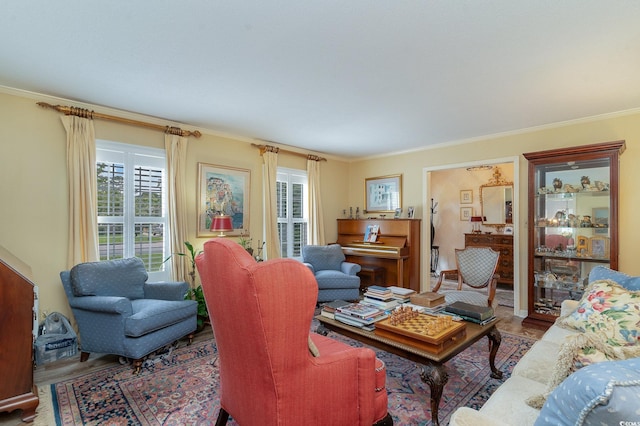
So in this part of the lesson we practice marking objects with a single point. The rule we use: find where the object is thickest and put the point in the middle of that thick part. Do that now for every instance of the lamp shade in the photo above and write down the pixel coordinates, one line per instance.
(476, 221)
(221, 224)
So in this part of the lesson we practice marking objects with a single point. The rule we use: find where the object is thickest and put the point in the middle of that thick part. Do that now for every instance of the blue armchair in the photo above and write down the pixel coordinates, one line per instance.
(119, 312)
(336, 278)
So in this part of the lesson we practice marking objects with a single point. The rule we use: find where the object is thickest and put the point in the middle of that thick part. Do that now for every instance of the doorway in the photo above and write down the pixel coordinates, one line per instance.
(454, 190)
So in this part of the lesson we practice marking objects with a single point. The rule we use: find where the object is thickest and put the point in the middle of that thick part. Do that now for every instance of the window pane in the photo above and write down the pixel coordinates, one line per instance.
(110, 236)
(149, 244)
(299, 238)
(281, 188)
(148, 191)
(110, 189)
(297, 202)
(282, 233)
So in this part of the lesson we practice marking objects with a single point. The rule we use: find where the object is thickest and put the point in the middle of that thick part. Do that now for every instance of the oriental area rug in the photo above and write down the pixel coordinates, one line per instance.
(180, 388)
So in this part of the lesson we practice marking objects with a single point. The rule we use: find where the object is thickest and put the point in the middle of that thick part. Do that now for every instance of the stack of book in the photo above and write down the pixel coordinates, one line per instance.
(380, 297)
(433, 303)
(474, 313)
(401, 294)
(329, 309)
(360, 315)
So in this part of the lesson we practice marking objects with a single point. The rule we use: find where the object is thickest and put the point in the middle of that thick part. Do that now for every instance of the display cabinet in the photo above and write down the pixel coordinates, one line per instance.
(573, 223)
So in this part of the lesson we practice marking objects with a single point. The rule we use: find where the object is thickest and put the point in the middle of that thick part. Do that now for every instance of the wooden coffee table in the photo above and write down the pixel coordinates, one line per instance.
(433, 371)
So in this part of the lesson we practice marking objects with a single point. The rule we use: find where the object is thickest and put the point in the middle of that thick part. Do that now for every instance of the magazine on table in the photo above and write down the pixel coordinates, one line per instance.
(359, 310)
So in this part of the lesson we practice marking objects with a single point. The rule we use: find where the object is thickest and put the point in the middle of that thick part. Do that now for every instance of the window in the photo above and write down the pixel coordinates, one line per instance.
(293, 211)
(132, 205)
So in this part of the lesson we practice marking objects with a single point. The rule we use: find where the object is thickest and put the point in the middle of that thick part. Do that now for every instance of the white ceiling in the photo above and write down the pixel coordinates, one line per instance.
(352, 78)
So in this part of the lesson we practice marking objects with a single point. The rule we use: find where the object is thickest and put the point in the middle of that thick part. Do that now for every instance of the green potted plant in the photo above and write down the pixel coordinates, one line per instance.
(194, 292)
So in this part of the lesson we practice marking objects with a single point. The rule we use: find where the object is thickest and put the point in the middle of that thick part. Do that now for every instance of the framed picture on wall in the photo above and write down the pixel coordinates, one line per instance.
(225, 190)
(466, 213)
(383, 194)
(466, 196)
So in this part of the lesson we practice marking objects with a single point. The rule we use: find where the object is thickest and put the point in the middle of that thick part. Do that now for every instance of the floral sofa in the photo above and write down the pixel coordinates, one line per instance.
(584, 370)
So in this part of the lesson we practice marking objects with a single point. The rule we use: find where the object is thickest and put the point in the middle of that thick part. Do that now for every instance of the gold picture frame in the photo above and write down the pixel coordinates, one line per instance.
(466, 196)
(582, 245)
(383, 194)
(466, 213)
(226, 189)
(599, 247)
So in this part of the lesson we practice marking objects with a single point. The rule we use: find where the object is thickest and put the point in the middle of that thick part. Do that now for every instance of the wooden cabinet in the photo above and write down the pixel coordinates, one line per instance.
(397, 249)
(573, 223)
(502, 243)
(16, 337)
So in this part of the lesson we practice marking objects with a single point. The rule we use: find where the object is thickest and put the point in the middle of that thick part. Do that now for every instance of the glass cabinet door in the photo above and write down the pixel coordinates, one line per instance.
(572, 223)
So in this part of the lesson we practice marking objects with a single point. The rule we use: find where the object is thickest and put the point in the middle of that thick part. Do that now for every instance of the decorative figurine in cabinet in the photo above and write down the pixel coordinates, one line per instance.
(573, 217)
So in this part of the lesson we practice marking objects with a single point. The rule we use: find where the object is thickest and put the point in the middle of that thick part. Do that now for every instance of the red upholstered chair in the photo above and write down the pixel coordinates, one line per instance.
(261, 315)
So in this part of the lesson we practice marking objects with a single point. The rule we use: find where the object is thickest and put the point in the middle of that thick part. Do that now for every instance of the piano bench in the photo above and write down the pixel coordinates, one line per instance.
(372, 275)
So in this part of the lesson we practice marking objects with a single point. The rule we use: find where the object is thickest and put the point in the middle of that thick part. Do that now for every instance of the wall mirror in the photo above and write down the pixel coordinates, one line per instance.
(496, 200)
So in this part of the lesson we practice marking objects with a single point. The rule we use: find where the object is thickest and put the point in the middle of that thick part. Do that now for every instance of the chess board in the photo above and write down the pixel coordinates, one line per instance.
(426, 332)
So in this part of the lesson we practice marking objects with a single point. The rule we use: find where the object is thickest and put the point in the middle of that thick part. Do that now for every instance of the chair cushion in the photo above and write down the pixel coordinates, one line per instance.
(472, 297)
(602, 393)
(336, 279)
(119, 277)
(324, 257)
(604, 273)
(152, 314)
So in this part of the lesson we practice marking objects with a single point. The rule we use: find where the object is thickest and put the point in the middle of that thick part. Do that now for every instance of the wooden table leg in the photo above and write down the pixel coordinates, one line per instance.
(435, 375)
(495, 338)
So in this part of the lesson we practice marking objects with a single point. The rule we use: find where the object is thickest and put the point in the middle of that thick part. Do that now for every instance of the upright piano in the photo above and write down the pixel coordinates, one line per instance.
(397, 248)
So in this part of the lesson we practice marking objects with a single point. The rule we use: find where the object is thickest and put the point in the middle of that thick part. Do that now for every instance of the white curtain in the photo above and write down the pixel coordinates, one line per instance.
(316, 219)
(272, 246)
(82, 181)
(176, 151)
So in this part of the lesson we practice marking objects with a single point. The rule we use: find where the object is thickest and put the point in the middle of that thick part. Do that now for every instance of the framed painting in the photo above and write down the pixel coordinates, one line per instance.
(225, 190)
(599, 247)
(410, 212)
(600, 218)
(383, 194)
(466, 196)
(582, 245)
(466, 213)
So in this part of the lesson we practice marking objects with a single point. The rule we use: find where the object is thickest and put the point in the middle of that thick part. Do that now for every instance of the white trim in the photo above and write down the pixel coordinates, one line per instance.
(518, 309)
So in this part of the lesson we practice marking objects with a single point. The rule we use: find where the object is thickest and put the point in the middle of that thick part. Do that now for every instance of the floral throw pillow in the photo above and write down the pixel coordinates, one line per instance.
(610, 310)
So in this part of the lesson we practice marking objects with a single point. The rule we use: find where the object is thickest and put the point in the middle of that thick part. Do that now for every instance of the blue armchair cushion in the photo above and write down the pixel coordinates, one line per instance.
(151, 315)
(324, 257)
(603, 393)
(603, 273)
(119, 277)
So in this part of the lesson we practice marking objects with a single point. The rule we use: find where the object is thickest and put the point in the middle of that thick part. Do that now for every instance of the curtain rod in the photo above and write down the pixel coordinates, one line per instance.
(264, 148)
(82, 112)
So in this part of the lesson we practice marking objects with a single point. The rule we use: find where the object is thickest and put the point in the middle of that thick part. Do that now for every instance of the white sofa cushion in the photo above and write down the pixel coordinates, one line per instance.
(508, 401)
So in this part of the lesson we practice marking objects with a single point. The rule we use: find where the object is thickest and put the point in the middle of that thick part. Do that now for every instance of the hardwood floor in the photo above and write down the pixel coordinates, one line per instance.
(64, 369)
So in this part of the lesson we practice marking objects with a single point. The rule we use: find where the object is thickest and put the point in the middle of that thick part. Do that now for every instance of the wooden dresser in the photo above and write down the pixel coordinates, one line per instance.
(397, 250)
(502, 243)
(17, 390)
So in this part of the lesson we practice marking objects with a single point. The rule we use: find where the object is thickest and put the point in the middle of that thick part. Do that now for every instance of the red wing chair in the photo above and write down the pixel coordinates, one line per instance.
(261, 315)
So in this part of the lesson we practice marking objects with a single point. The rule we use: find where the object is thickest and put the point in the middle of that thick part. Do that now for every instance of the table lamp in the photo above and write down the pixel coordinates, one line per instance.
(476, 221)
(221, 224)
